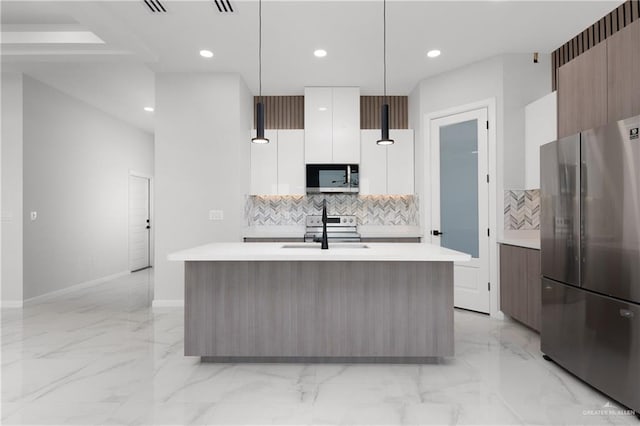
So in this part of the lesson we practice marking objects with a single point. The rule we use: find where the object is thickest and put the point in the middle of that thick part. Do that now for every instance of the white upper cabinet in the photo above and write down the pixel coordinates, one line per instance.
(332, 124)
(277, 168)
(264, 165)
(540, 127)
(318, 124)
(387, 170)
(400, 175)
(291, 168)
(346, 125)
(373, 164)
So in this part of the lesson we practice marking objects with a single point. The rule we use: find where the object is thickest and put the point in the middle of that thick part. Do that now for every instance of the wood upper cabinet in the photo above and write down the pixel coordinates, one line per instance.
(623, 73)
(520, 290)
(582, 92)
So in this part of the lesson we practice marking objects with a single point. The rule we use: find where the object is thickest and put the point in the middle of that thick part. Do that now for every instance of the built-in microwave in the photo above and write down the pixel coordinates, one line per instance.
(332, 178)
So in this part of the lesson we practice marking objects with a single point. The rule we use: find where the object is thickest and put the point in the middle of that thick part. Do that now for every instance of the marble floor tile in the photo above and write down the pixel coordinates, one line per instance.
(103, 356)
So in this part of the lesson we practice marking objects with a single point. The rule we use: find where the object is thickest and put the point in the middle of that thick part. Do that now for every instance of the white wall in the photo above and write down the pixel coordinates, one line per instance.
(76, 172)
(473, 83)
(202, 138)
(12, 215)
(514, 81)
(524, 82)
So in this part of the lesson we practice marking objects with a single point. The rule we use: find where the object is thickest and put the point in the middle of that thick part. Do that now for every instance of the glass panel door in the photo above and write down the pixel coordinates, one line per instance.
(459, 187)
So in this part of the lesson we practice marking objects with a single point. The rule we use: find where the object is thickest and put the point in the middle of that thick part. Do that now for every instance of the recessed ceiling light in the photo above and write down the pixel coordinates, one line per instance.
(320, 53)
(206, 54)
(322, 109)
(433, 53)
(148, 109)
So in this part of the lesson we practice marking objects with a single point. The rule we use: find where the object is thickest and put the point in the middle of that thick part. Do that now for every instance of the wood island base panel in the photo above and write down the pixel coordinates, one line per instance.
(319, 311)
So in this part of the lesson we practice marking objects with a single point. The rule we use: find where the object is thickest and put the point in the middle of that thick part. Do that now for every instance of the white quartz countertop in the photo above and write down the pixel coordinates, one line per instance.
(528, 239)
(399, 252)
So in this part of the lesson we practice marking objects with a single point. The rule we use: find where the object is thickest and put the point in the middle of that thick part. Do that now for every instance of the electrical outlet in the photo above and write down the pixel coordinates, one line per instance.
(216, 215)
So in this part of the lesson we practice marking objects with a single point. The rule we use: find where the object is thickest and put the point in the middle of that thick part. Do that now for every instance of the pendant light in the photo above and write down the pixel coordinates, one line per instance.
(384, 111)
(260, 106)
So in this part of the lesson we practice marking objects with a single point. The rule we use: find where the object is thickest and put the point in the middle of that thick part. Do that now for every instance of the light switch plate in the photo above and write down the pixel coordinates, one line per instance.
(216, 215)
(33, 215)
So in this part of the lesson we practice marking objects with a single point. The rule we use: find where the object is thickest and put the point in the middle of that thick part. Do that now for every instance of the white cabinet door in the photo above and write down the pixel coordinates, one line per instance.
(291, 168)
(264, 165)
(400, 176)
(373, 164)
(318, 124)
(346, 125)
(540, 127)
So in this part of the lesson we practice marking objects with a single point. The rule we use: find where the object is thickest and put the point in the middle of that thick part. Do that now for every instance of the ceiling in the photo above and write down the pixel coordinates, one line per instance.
(117, 75)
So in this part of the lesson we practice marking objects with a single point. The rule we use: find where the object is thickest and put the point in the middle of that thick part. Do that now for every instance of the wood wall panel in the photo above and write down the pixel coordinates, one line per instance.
(287, 112)
(604, 28)
(370, 112)
(282, 112)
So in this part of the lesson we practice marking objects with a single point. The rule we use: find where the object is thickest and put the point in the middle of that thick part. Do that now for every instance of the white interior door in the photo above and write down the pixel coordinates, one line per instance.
(460, 194)
(139, 223)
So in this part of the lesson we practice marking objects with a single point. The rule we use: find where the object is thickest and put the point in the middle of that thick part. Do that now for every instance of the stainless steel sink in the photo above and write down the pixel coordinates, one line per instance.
(331, 245)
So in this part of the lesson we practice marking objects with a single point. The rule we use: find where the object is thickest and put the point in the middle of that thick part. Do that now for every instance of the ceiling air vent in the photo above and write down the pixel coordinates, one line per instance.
(155, 6)
(224, 6)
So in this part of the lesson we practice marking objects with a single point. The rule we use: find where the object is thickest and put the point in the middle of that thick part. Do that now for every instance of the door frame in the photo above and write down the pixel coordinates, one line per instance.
(151, 217)
(495, 184)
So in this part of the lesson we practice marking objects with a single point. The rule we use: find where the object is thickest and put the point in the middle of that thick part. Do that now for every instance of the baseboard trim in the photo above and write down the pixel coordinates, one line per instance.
(167, 303)
(12, 304)
(73, 288)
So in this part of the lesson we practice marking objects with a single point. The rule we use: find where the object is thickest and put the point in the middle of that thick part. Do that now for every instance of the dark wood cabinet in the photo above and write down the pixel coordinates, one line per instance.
(601, 85)
(582, 92)
(623, 73)
(520, 284)
(534, 294)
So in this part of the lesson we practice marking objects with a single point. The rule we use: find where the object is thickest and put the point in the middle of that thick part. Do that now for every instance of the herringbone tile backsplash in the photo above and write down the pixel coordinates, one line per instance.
(370, 210)
(522, 209)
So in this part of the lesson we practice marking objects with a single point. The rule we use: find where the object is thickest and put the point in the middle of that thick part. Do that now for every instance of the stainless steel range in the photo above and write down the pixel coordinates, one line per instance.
(339, 229)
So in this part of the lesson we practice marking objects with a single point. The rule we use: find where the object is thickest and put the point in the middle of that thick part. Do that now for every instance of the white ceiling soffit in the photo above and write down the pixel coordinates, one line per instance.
(138, 40)
(351, 33)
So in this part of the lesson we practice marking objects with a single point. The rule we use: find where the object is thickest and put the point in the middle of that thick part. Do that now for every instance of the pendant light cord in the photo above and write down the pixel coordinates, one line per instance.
(260, 49)
(384, 45)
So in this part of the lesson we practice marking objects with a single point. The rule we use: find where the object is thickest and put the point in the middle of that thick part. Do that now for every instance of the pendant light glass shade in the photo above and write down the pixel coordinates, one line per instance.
(260, 125)
(384, 126)
(384, 110)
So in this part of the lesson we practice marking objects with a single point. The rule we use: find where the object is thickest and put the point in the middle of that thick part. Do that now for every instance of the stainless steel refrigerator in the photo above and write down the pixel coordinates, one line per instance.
(590, 242)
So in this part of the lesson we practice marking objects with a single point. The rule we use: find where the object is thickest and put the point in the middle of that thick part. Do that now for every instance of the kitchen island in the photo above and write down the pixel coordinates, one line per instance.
(288, 302)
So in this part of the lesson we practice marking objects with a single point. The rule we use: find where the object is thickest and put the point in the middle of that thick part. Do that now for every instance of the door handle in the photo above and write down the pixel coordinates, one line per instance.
(436, 233)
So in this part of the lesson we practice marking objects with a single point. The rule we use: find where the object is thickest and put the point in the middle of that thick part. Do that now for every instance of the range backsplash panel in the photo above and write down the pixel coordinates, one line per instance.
(522, 209)
(370, 210)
